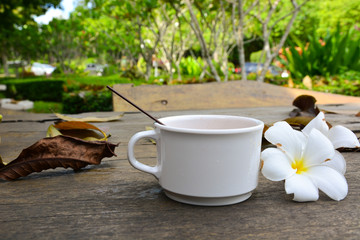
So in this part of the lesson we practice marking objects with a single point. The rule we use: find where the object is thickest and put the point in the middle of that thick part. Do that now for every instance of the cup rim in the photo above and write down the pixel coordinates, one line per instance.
(258, 124)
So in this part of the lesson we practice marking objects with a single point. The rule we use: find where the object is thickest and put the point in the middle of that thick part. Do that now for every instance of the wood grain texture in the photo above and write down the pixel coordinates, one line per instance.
(115, 201)
(234, 94)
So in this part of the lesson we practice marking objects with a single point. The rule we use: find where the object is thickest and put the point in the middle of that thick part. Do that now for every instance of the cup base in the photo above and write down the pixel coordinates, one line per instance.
(208, 201)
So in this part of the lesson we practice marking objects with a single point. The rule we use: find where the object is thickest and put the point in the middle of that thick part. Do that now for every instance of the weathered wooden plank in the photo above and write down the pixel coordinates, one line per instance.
(115, 201)
(234, 94)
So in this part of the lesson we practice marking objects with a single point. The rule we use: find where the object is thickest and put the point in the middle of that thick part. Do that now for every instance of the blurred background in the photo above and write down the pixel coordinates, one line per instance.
(62, 54)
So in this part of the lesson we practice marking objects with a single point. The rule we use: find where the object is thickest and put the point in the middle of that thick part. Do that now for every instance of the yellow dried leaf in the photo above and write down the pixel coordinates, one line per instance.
(52, 132)
(147, 128)
(81, 130)
(89, 119)
(307, 81)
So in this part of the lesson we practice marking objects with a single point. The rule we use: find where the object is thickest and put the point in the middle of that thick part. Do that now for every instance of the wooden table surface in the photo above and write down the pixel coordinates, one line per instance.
(115, 201)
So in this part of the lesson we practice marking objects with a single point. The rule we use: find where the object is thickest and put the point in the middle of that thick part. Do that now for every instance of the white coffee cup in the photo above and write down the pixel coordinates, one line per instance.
(208, 160)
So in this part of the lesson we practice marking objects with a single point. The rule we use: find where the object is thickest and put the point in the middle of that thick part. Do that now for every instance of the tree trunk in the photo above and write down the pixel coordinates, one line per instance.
(5, 63)
(240, 41)
(270, 56)
(226, 71)
(148, 72)
(196, 28)
(177, 65)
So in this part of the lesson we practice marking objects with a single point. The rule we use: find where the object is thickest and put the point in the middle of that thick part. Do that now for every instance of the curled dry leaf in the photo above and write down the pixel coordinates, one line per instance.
(305, 112)
(90, 119)
(59, 151)
(305, 106)
(77, 129)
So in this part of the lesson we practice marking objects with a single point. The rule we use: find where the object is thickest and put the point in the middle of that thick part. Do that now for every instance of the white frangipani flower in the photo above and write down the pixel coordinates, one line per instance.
(338, 135)
(299, 160)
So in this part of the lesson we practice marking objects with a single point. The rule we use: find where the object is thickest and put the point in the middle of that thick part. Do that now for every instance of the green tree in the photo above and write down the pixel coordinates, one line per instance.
(110, 30)
(64, 41)
(324, 16)
(28, 44)
(15, 15)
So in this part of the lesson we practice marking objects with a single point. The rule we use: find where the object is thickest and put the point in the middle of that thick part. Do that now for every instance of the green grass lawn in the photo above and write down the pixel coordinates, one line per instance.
(46, 107)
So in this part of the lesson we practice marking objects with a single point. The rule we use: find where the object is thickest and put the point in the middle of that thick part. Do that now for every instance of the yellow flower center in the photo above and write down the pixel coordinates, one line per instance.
(299, 166)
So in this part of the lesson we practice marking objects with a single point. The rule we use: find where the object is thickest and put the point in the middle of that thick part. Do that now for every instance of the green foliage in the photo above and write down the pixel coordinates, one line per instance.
(90, 101)
(45, 90)
(46, 107)
(110, 70)
(323, 56)
(256, 56)
(323, 16)
(190, 66)
(74, 81)
(69, 94)
(132, 73)
(20, 12)
(347, 83)
(64, 42)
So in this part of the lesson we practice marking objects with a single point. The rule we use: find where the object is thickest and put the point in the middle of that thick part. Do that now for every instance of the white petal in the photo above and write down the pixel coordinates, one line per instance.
(330, 181)
(337, 162)
(276, 166)
(318, 123)
(284, 137)
(302, 187)
(343, 137)
(318, 149)
(302, 137)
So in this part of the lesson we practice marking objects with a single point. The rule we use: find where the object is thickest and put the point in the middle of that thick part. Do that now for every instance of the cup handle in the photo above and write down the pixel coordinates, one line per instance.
(131, 156)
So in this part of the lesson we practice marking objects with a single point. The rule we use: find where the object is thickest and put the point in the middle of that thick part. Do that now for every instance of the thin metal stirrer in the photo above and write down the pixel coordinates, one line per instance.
(147, 114)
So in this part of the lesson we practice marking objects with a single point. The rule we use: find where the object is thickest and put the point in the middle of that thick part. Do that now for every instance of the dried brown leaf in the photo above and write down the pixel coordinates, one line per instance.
(348, 149)
(301, 121)
(265, 142)
(59, 151)
(1, 163)
(298, 122)
(306, 106)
